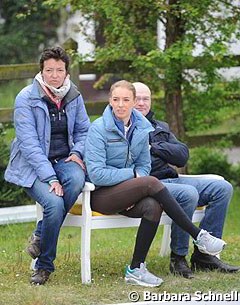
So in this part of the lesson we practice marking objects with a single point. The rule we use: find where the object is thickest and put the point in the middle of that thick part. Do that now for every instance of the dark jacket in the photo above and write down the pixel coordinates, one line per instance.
(165, 150)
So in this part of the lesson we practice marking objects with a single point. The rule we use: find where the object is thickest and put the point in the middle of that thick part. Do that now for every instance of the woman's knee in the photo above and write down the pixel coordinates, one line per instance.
(153, 184)
(152, 210)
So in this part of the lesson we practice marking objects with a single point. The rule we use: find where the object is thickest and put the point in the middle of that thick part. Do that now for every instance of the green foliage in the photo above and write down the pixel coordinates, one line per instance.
(209, 106)
(9, 90)
(128, 31)
(207, 160)
(27, 27)
(236, 173)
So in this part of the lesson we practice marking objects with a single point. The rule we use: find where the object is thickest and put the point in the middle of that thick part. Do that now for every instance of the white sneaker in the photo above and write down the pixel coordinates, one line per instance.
(141, 276)
(208, 244)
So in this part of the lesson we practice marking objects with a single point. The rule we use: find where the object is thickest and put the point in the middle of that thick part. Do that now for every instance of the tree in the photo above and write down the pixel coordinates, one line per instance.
(26, 28)
(129, 32)
(175, 32)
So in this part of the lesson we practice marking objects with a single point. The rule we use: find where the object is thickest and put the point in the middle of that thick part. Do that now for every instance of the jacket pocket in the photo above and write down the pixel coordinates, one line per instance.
(114, 140)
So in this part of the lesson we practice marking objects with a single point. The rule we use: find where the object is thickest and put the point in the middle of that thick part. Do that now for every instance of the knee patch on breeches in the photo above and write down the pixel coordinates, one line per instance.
(151, 209)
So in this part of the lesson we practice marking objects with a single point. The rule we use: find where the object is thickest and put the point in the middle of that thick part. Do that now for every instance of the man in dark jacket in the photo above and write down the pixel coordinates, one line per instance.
(167, 151)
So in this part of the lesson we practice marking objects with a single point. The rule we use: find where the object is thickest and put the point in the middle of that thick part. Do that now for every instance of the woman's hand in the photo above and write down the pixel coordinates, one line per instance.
(57, 188)
(76, 159)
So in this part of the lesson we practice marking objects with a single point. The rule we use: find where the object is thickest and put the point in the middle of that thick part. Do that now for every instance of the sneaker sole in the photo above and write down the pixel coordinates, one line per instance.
(35, 283)
(132, 281)
(198, 267)
(177, 273)
(203, 267)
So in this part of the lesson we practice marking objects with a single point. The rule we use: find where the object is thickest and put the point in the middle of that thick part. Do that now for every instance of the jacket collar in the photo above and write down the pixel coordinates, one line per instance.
(140, 122)
(38, 93)
(150, 116)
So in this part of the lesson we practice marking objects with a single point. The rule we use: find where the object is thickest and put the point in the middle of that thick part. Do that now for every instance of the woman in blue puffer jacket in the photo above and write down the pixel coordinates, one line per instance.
(117, 158)
(51, 125)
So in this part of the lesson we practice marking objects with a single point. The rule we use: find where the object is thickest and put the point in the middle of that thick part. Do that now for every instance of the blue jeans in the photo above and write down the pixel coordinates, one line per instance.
(55, 208)
(192, 192)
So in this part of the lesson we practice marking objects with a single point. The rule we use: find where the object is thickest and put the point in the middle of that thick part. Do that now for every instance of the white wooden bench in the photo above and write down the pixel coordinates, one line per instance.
(89, 220)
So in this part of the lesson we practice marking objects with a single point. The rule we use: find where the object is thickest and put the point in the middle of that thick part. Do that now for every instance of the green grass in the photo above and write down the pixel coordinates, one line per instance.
(9, 90)
(111, 251)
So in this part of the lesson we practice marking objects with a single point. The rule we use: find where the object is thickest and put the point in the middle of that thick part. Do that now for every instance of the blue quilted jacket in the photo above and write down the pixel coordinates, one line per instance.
(109, 157)
(30, 148)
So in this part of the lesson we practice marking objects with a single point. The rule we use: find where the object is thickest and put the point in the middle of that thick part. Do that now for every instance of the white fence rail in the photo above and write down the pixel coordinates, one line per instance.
(17, 214)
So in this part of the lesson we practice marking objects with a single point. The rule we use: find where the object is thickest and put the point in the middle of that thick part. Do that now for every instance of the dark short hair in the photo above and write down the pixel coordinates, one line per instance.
(57, 53)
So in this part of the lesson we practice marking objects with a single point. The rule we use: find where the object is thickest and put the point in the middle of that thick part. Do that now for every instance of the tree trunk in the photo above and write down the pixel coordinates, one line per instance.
(173, 99)
(173, 74)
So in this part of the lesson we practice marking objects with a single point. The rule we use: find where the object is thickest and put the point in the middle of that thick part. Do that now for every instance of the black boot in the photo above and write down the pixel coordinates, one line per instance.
(39, 277)
(179, 266)
(33, 249)
(205, 262)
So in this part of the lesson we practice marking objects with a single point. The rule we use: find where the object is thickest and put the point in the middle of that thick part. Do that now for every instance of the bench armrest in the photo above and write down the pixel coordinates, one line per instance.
(203, 176)
(89, 187)
(86, 195)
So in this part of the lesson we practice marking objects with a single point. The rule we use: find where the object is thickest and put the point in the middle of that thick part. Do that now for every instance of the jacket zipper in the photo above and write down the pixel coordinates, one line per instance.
(128, 153)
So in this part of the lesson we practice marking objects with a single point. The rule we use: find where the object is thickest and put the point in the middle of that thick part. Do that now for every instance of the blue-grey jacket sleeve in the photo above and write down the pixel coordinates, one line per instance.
(29, 144)
(143, 162)
(80, 129)
(96, 162)
(172, 151)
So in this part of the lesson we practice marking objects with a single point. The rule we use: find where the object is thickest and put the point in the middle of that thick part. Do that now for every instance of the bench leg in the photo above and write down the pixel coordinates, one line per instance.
(85, 255)
(165, 245)
(86, 240)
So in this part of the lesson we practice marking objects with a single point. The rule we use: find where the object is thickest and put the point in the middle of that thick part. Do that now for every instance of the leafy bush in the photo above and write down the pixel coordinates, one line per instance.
(219, 102)
(236, 174)
(207, 160)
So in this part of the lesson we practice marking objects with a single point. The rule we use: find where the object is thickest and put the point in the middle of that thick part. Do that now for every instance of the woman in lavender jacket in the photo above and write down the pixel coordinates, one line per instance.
(51, 124)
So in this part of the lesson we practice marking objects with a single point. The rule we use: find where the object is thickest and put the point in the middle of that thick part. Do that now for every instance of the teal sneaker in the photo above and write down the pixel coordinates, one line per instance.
(208, 244)
(141, 276)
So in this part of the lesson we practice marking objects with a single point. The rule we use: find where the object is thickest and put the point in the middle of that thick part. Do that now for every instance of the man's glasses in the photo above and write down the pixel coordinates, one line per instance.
(145, 99)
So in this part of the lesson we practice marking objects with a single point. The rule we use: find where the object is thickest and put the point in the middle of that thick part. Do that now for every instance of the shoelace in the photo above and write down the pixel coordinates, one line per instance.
(143, 269)
(207, 237)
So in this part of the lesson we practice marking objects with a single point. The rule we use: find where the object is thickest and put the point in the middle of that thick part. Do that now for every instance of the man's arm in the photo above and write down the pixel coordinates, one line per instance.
(166, 146)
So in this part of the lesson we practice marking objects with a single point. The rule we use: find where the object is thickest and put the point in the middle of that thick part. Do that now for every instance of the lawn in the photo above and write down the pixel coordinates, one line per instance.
(111, 251)
(9, 90)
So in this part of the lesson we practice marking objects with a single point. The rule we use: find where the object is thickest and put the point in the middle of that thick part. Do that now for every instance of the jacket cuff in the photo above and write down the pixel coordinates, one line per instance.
(76, 153)
(52, 181)
(51, 178)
